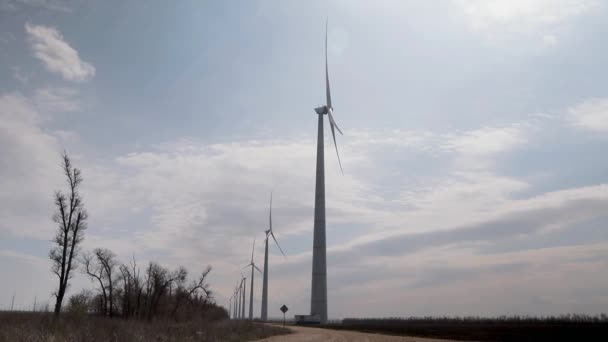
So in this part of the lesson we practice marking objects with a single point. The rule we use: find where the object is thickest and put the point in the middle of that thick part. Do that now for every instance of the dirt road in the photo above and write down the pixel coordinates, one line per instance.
(304, 334)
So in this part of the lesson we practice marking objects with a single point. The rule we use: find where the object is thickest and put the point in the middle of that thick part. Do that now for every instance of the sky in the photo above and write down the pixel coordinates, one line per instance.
(475, 174)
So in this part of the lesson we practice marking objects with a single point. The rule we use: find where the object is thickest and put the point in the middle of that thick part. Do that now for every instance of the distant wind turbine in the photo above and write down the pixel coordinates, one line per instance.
(230, 307)
(244, 294)
(318, 297)
(237, 300)
(253, 268)
(268, 232)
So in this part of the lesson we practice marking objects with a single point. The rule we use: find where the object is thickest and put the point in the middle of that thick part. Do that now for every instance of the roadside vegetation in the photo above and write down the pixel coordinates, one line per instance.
(42, 326)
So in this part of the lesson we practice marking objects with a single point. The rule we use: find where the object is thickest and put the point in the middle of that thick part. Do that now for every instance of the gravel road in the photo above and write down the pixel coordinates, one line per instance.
(305, 334)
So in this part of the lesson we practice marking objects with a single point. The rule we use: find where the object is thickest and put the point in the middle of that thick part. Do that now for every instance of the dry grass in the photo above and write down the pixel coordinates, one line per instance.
(34, 327)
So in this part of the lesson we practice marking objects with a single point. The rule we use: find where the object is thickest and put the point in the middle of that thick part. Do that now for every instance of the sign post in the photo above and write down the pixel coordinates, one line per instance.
(284, 309)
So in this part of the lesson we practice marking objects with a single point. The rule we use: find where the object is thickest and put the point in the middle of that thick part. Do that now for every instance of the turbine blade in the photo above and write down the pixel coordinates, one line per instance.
(327, 92)
(332, 121)
(257, 268)
(270, 213)
(252, 249)
(333, 134)
(275, 241)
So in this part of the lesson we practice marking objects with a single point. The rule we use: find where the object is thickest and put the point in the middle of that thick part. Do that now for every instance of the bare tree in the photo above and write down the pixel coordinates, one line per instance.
(200, 285)
(71, 218)
(96, 271)
(107, 260)
(100, 266)
(131, 288)
(158, 280)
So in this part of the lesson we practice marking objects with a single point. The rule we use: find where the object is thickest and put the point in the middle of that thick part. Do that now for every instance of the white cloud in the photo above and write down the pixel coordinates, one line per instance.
(499, 18)
(591, 115)
(52, 5)
(487, 140)
(56, 99)
(57, 55)
(29, 168)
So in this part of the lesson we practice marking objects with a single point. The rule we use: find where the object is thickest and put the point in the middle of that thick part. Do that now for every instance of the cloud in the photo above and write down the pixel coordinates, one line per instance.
(56, 99)
(57, 55)
(591, 114)
(468, 256)
(439, 281)
(486, 141)
(23, 257)
(513, 223)
(52, 5)
(29, 168)
(500, 18)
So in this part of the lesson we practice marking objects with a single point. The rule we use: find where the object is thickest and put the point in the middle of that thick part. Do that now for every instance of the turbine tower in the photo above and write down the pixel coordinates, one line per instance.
(244, 288)
(253, 267)
(237, 300)
(268, 232)
(318, 296)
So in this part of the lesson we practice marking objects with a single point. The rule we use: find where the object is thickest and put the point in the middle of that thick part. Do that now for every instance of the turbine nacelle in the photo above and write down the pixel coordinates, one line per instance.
(322, 110)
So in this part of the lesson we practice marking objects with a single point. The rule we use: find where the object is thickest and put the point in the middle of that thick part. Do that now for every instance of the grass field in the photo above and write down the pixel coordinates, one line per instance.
(33, 327)
(566, 328)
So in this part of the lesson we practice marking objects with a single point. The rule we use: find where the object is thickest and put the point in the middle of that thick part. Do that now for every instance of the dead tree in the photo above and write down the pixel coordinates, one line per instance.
(192, 291)
(107, 260)
(100, 266)
(71, 218)
(131, 295)
(158, 280)
(96, 271)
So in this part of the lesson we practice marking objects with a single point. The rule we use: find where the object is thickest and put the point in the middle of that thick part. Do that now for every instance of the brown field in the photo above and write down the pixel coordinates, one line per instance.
(562, 328)
(33, 327)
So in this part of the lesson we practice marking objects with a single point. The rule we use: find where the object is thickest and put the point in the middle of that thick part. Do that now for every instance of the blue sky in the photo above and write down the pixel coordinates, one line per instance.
(475, 178)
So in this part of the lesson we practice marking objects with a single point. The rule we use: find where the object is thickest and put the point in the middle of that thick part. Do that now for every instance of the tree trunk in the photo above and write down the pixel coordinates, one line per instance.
(60, 294)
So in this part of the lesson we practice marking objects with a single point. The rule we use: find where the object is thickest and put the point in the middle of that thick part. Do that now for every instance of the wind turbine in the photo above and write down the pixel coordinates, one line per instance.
(268, 232)
(318, 297)
(244, 288)
(230, 307)
(237, 294)
(237, 300)
(253, 267)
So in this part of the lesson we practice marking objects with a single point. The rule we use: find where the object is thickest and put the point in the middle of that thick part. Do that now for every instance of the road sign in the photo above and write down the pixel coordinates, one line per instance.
(284, 309)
